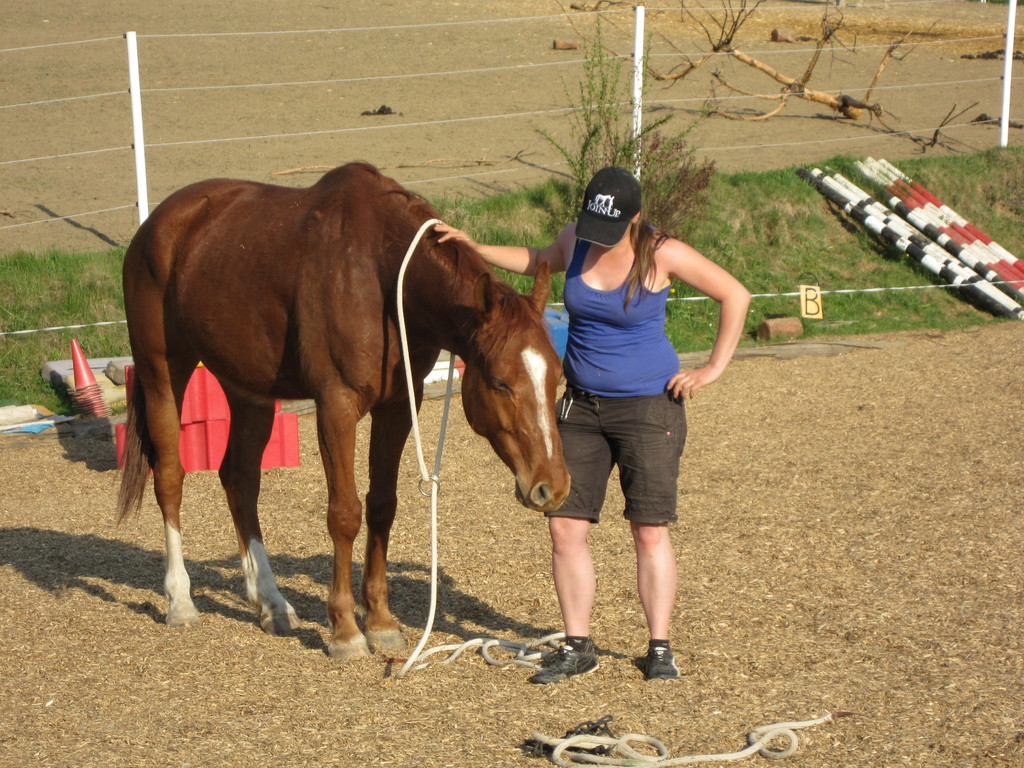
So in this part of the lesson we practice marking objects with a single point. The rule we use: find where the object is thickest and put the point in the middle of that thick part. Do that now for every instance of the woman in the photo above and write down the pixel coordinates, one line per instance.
(623, 404)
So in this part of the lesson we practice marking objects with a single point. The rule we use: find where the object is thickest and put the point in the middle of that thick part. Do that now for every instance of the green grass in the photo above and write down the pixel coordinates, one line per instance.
(56, 289)
(769, 229)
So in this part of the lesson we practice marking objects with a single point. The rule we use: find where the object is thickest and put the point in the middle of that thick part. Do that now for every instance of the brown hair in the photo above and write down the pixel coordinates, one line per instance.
(645, 240)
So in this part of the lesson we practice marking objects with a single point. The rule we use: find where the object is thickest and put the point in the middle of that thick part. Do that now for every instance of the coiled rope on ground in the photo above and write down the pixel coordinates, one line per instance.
(526, 654)
(621, 751)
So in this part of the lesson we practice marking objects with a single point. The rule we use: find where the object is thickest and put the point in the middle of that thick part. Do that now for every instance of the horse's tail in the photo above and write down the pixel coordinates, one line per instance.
(138, 456)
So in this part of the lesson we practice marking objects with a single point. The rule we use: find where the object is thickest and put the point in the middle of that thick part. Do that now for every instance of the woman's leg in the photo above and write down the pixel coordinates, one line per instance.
(573, 571)
(655, 575)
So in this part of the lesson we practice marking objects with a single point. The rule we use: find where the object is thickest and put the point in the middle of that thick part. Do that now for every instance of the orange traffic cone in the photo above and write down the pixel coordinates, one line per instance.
(86, 396)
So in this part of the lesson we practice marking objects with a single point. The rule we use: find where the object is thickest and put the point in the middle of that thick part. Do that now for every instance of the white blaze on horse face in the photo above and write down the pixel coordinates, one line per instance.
(537, 368)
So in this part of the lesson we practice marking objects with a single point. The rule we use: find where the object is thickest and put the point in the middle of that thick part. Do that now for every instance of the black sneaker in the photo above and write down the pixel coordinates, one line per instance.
(564, 663)
(659, 664)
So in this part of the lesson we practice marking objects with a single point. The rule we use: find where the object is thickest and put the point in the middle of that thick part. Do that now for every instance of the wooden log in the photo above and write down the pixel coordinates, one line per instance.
(775, 328)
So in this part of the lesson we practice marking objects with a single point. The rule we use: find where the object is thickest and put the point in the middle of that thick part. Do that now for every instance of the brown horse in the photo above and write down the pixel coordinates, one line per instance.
(291, 293)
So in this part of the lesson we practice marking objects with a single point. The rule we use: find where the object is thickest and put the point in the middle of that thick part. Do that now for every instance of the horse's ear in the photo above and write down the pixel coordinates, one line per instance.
(486, 298)
(541, 286)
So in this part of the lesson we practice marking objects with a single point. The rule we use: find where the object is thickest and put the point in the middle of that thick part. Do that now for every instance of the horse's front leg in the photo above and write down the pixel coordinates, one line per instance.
(336, 427)
(388, 433)
(251, 425)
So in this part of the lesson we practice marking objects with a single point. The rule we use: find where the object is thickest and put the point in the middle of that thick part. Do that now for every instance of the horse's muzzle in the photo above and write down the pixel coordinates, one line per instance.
(541, 497)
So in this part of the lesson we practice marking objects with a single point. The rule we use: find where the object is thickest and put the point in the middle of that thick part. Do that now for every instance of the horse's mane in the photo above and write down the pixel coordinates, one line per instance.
(462, 265)
(517, 316)
(464, 268)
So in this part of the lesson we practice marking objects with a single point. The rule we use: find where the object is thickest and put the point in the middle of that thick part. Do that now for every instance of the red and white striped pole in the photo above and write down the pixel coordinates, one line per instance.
(862, 207)
(945, 217)
(973, 254)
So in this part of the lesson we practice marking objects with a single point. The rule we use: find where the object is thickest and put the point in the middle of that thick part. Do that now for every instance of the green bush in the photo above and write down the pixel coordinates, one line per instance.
(672, 181)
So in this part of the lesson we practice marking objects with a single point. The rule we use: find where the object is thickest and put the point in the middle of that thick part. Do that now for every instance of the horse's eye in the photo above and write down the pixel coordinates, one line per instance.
(500, 385)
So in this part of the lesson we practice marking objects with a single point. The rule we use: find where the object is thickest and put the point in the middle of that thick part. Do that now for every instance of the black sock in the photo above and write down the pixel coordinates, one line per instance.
(657, 644)
(579, 643)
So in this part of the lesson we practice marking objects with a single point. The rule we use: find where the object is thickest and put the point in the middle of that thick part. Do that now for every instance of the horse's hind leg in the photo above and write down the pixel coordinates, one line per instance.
(163, 383)
(388, 433)
(251, 425)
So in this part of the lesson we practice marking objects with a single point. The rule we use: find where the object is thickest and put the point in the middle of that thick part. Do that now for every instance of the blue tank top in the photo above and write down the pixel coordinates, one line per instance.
(612, 350)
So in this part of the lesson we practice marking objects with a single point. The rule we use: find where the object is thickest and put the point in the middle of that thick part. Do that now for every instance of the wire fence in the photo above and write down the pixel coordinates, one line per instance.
(446, 117)
(202, 92)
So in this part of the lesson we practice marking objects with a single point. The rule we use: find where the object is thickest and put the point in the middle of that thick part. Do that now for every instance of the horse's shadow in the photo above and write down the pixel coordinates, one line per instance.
(58, 562)
(94, 449)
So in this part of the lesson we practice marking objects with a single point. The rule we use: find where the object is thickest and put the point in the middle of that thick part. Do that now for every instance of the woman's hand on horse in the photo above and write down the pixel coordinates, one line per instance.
(448, 232)
(514, 258)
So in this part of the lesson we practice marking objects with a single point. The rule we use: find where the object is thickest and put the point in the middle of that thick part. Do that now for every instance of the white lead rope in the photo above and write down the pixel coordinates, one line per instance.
(620, 751)
(526, 654)
(434, 480)
(424, 476)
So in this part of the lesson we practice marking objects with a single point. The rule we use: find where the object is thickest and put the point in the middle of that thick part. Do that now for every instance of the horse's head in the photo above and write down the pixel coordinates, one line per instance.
(509, 389)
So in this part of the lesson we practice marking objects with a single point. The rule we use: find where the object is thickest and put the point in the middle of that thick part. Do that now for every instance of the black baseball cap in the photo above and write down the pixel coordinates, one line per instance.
(611, 201)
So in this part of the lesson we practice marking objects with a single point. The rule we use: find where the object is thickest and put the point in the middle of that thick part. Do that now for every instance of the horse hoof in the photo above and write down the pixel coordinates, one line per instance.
(279, 623)
(343, 650)
(183, 619)
(385, 640)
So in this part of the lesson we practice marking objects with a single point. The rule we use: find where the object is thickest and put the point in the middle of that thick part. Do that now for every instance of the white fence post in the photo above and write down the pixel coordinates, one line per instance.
(638, 83)
(135, 90)
(1004, 120)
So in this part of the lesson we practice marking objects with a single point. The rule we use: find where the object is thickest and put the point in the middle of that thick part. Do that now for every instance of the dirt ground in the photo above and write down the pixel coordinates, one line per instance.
(850, 539)
(850, 529)
(195, 129)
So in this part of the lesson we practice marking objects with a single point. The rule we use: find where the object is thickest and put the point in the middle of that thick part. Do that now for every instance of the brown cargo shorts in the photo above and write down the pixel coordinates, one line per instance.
(643, 436)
